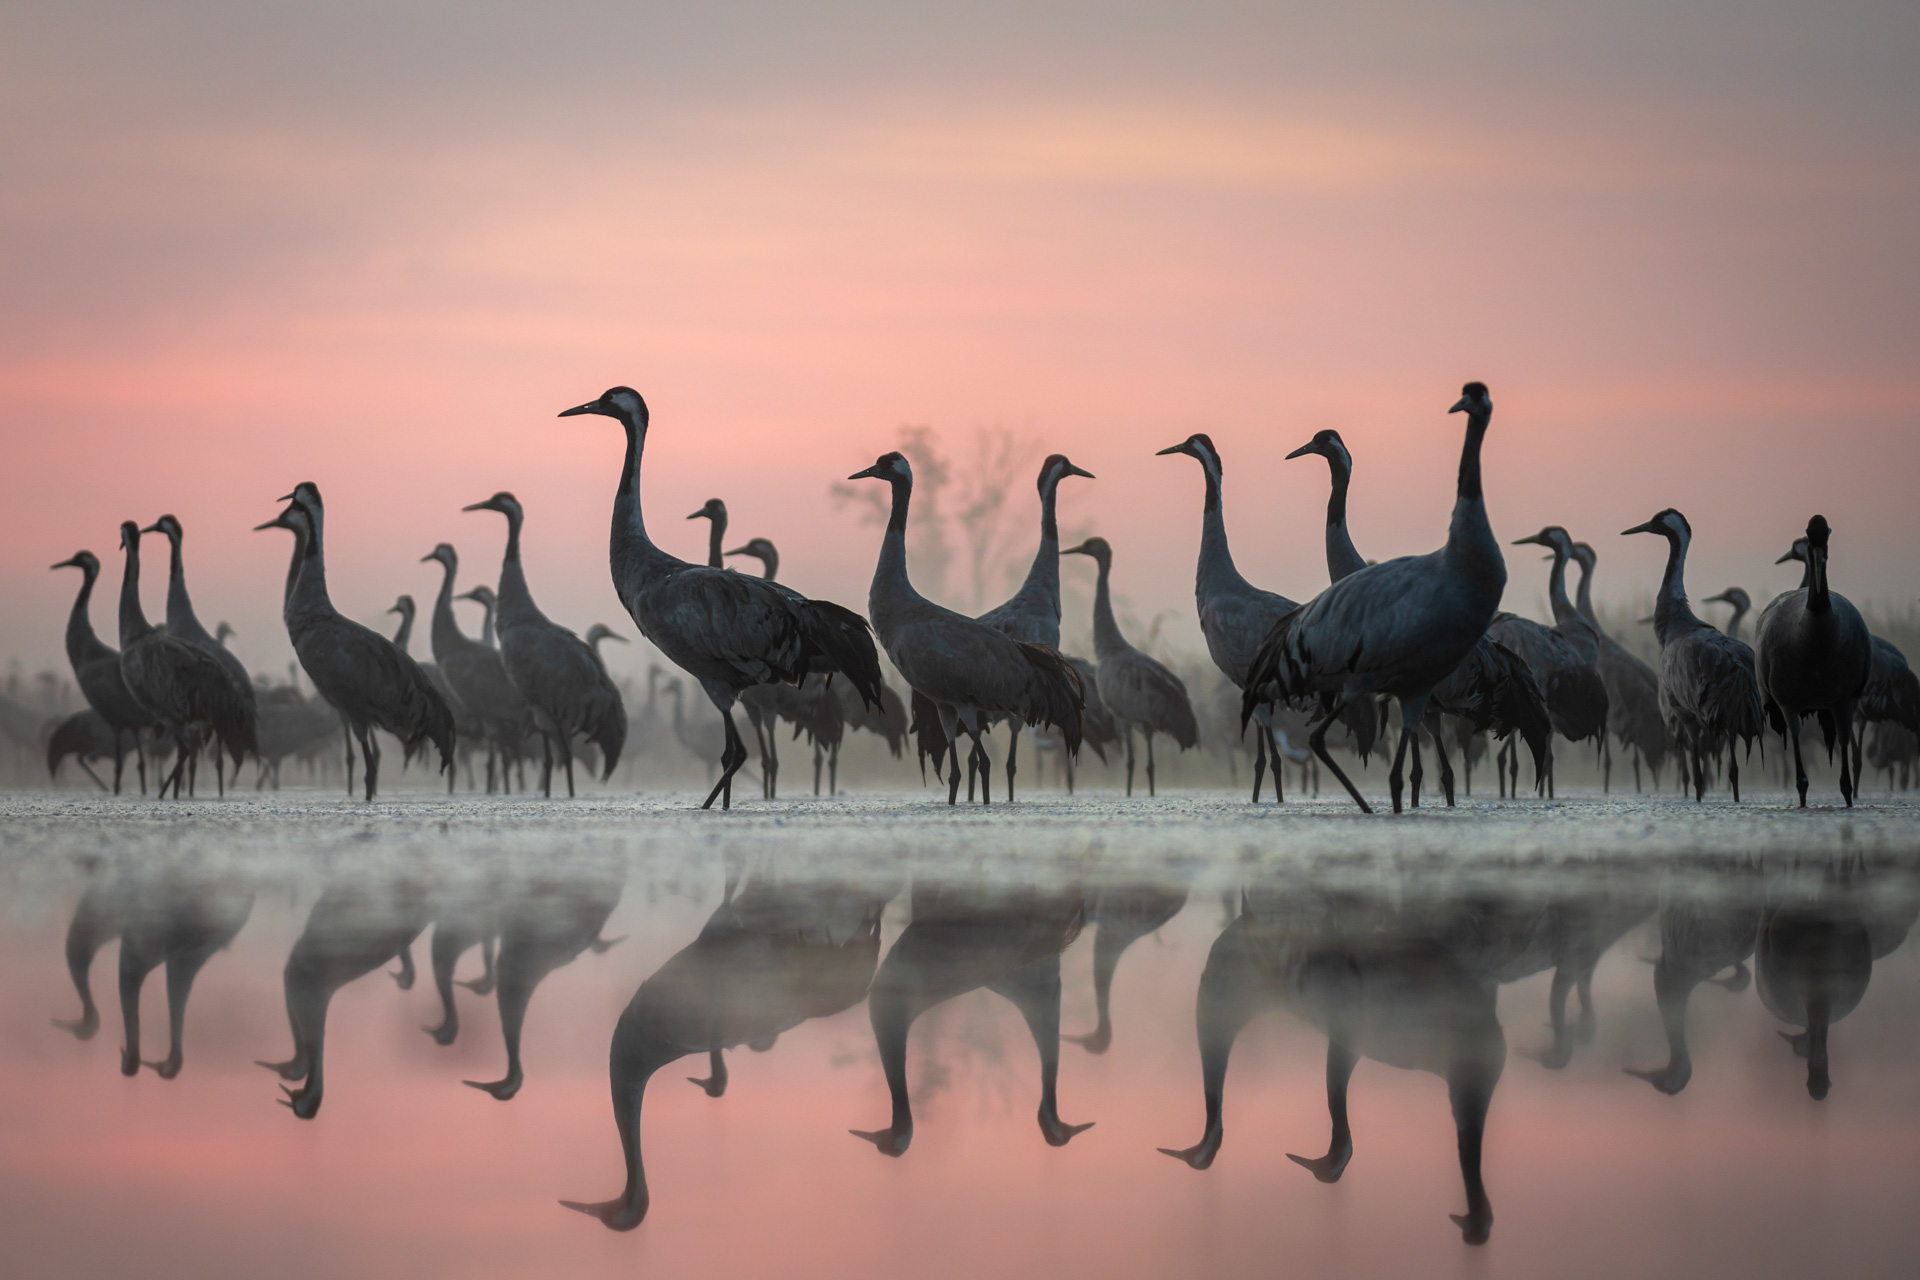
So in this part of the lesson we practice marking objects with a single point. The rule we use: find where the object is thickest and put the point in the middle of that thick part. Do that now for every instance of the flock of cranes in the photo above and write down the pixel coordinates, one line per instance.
(1423, 633)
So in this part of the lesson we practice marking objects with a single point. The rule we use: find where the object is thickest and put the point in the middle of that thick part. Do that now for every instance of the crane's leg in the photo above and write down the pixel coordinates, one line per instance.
(140, 759)
(120, 759)
(1128, 731)
(1845, 717)
(950, 725)
(833, 770)
(1014, 726)
(1395, 776)
(370, 756)
(732, 756)
(1259, 760)
(1150, 762)
(1418, 772)
(1340, 1064)
(1318, 741)
(346, 734)
(1273, 760)
(1733, 771)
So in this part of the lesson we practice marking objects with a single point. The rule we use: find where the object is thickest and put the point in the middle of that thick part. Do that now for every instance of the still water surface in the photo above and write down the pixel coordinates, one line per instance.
(874, 1038)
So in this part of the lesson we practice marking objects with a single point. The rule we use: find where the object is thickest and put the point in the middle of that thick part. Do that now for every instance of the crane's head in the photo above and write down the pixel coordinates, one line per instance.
(1798, 551)
(1584, 554)
(1818, 531)
(892, 467)
(1328, 445)
(1198, 445)
(445, 554)
(1055, 469)
(293, 517)
(1095, 548)
(1734, 596)
(167, 525)
(481, 595)
(85, 561)
(1669, 524)
(129, 536)
(762, 550)
(1553, 537)
(623, 403)
(712, 509)
(221, 632)
(306, 494)
(601, 631)
(403, 606)
(503, 502)
(1473, 400)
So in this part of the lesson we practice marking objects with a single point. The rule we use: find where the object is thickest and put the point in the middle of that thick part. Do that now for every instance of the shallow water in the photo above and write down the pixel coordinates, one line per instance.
(800, 938)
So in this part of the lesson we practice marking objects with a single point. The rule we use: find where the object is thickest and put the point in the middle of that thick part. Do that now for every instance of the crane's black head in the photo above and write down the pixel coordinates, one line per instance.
(1818, 530)
(482, 595)
(711, 509)
(168, 525)
(1328, 445)
(1733, 596)
(291, 517)
(445, 554)
(1669, 524)
(1056, 468)
(306, 494)
(85, 561)
(761, 549)
(221, 632)
(889, 466)
(129, 536)
(1585, 555)
(503, 502)
(1798, 551)
(403, 606)
(1096, 548)
(623, 403)
(1198, 445)
(1553, 536)
(601, 631)
(1473, 399)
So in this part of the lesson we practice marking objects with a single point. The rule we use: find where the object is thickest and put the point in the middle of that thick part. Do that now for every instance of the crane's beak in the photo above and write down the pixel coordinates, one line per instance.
(869, 473)
(1081, 550)
(737, 551)
(1719, 599)
(591, 406)
(1648, 527)
(429, 556)
(1077, 471)
(278, 522)
(393, 608)
(698, 515)
(481, 506)
(464, 595)
(1182, 447)
(71, 562)
(1789, 556)
(1311, 446)
(1534, 538)
(1462, 405)
(152, 528)
(1646, 622)
(613, 635)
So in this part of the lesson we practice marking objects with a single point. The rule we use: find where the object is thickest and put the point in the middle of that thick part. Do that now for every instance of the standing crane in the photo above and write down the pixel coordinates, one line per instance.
(181, 622)
(180, 684)
(96, 669)
(970, 671)
(727, 630)
(356, 669)
(554, 670)
(1708, 694)
(477, 676)
(1563, 658)
(1633, 689)
(1741, 603)
(1138, 690)
(1814, 657)
(1397, 628)
(1032, 615)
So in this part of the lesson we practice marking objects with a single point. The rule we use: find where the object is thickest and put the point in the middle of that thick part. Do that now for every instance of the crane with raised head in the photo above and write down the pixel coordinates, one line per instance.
(182, 622)
(1708, 694)
(1563, 658)
(562, 680)
(477, 676)
(96, 669)
(1633, 689)
(1739, 601)
(356, 669)
(727, 630)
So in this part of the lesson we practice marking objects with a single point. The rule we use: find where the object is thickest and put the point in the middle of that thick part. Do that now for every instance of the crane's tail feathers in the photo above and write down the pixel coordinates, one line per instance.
(843, 642)
(1279, 670)
(1054, 694)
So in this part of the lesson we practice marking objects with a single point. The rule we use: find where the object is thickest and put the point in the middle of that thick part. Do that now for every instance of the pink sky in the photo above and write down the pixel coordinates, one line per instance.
(381, 252)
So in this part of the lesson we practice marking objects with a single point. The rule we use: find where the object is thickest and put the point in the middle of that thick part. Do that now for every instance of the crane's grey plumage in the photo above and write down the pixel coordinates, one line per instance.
(1491, 689)
(765, 552)
(96, 669)
(966, 668)
(1397, 628)
(182, 622)
(727, 630)
(476, 674)
(87, 737)
(716, 511)
(554, 670)
(356, 669)
(1235, 615)
(1032, 614)
(1633, 689)
(1741, 603)
(467, 728)
(1814, 656)
(763, 703)
(1708, 694)
(1892, 692)
(1563, 658)
(1137, 690)
(482, 595)
(180, 684)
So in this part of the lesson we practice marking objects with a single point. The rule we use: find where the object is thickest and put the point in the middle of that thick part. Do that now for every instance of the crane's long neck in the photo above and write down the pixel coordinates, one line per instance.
(631, 553)
(1733, 624)
(310, 583)
(515, 600)
(1819, 597)
(1806, 572)
(769, 566)
(133, 619)
(1471, 546)
(716, 536)
(1043, 575)
(1216, 571)
(1342, 557)
(891, 585)
(179, 606)
(1585, 598)
(1671, 613)
(82, 643)
(486, 623)
(404, 636)
(1106, 631)
(446, 633)
(1569, 621)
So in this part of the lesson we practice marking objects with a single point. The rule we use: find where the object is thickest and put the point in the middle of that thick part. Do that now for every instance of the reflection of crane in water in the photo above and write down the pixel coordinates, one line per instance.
(771, 958)
(180, 921)
(1123, 914)
(1397, 995)
(1812, 960)
(1705, 929)
(961, 941)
